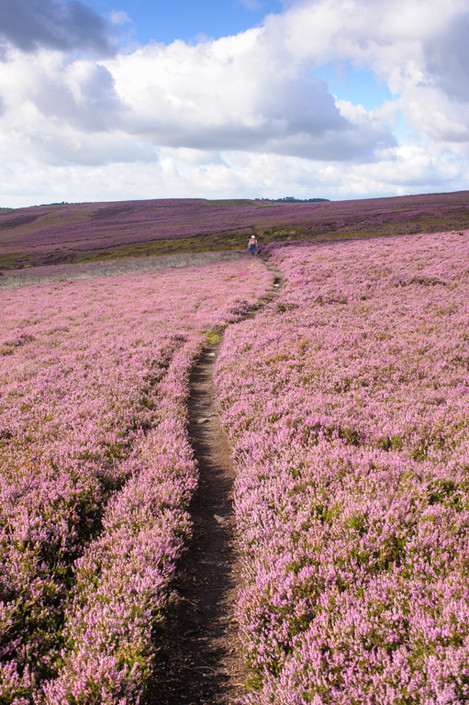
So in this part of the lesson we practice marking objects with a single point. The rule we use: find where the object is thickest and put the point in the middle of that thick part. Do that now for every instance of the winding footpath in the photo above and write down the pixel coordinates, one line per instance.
(200, 662)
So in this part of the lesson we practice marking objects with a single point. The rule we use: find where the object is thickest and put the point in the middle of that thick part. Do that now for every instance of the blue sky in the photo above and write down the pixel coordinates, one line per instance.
(119, 99)
(186, 19)
(191, 21)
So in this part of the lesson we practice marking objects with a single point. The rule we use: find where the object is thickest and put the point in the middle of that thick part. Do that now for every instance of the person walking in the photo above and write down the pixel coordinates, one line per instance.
(252, 244)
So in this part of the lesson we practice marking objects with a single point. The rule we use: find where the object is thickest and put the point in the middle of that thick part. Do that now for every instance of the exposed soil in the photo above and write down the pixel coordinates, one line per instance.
(200, 662)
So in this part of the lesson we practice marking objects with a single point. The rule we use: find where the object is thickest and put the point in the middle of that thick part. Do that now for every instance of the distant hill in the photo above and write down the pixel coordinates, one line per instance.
(84, 232)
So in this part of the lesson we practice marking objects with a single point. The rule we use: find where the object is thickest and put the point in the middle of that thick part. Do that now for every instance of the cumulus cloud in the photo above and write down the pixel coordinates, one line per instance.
(212, 115)
(400, 171)
(237, 93)
(65, 25)
(418, 48)
(49, 102)
(447, 57)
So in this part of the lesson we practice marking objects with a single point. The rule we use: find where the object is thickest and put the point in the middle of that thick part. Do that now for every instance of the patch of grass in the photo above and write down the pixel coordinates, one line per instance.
(15, 260)
(213, 338)
(231, 202)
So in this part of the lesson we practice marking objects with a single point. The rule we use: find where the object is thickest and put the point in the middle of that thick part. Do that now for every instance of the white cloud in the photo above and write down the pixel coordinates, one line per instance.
(409, 44)
(61, 112)
(398, 171)
(234, 93)
(208, 118)
(239, 92)
(434, 114)
(119, 17)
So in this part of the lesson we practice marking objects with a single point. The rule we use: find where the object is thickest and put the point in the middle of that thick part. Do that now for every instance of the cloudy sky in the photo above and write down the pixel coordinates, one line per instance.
(123, 99)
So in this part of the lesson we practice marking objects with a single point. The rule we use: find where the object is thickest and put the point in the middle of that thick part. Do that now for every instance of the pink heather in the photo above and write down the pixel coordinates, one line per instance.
(350, 434)
(96, 472)
(346, 401)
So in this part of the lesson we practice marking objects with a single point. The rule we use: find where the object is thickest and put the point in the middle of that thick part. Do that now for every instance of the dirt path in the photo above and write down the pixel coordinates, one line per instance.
(201, 663)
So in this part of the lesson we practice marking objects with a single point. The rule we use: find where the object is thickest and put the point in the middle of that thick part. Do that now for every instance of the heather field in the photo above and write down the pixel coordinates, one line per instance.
(43, 235)
(351, 446)
(345, 398)
(96, 471)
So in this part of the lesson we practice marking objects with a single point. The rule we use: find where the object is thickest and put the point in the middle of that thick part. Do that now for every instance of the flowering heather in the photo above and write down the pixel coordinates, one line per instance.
(49, 234)
(18, 278)
(350, 434)
(96, 471)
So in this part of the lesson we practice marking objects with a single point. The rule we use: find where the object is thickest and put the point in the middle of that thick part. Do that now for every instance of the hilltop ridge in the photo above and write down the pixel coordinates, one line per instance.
(85, 232)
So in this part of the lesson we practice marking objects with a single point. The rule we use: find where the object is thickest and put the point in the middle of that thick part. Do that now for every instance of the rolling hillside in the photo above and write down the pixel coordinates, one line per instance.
(86, 232)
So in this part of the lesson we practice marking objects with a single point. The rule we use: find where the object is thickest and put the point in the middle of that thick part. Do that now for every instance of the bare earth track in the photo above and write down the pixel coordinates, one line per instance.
(199, 662)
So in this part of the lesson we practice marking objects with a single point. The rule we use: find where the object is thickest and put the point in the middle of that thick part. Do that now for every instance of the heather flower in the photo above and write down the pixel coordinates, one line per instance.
(96, 471)
(350, 436)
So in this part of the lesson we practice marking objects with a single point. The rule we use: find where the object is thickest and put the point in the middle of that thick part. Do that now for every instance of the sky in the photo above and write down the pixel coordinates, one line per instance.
(107, 100)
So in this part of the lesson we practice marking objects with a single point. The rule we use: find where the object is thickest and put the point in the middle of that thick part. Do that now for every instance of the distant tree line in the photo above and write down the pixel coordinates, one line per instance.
(292, 199)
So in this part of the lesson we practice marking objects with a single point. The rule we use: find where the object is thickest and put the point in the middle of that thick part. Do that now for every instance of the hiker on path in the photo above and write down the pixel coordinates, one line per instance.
(252, 244)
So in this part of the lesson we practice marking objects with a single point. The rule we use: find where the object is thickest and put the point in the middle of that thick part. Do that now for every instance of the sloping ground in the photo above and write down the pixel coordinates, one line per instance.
(92, 231)
(96, 471)
(350, 434)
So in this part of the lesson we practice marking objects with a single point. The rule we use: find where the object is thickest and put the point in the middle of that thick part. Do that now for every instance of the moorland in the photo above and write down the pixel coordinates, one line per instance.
(331, 371)
(90, 232)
